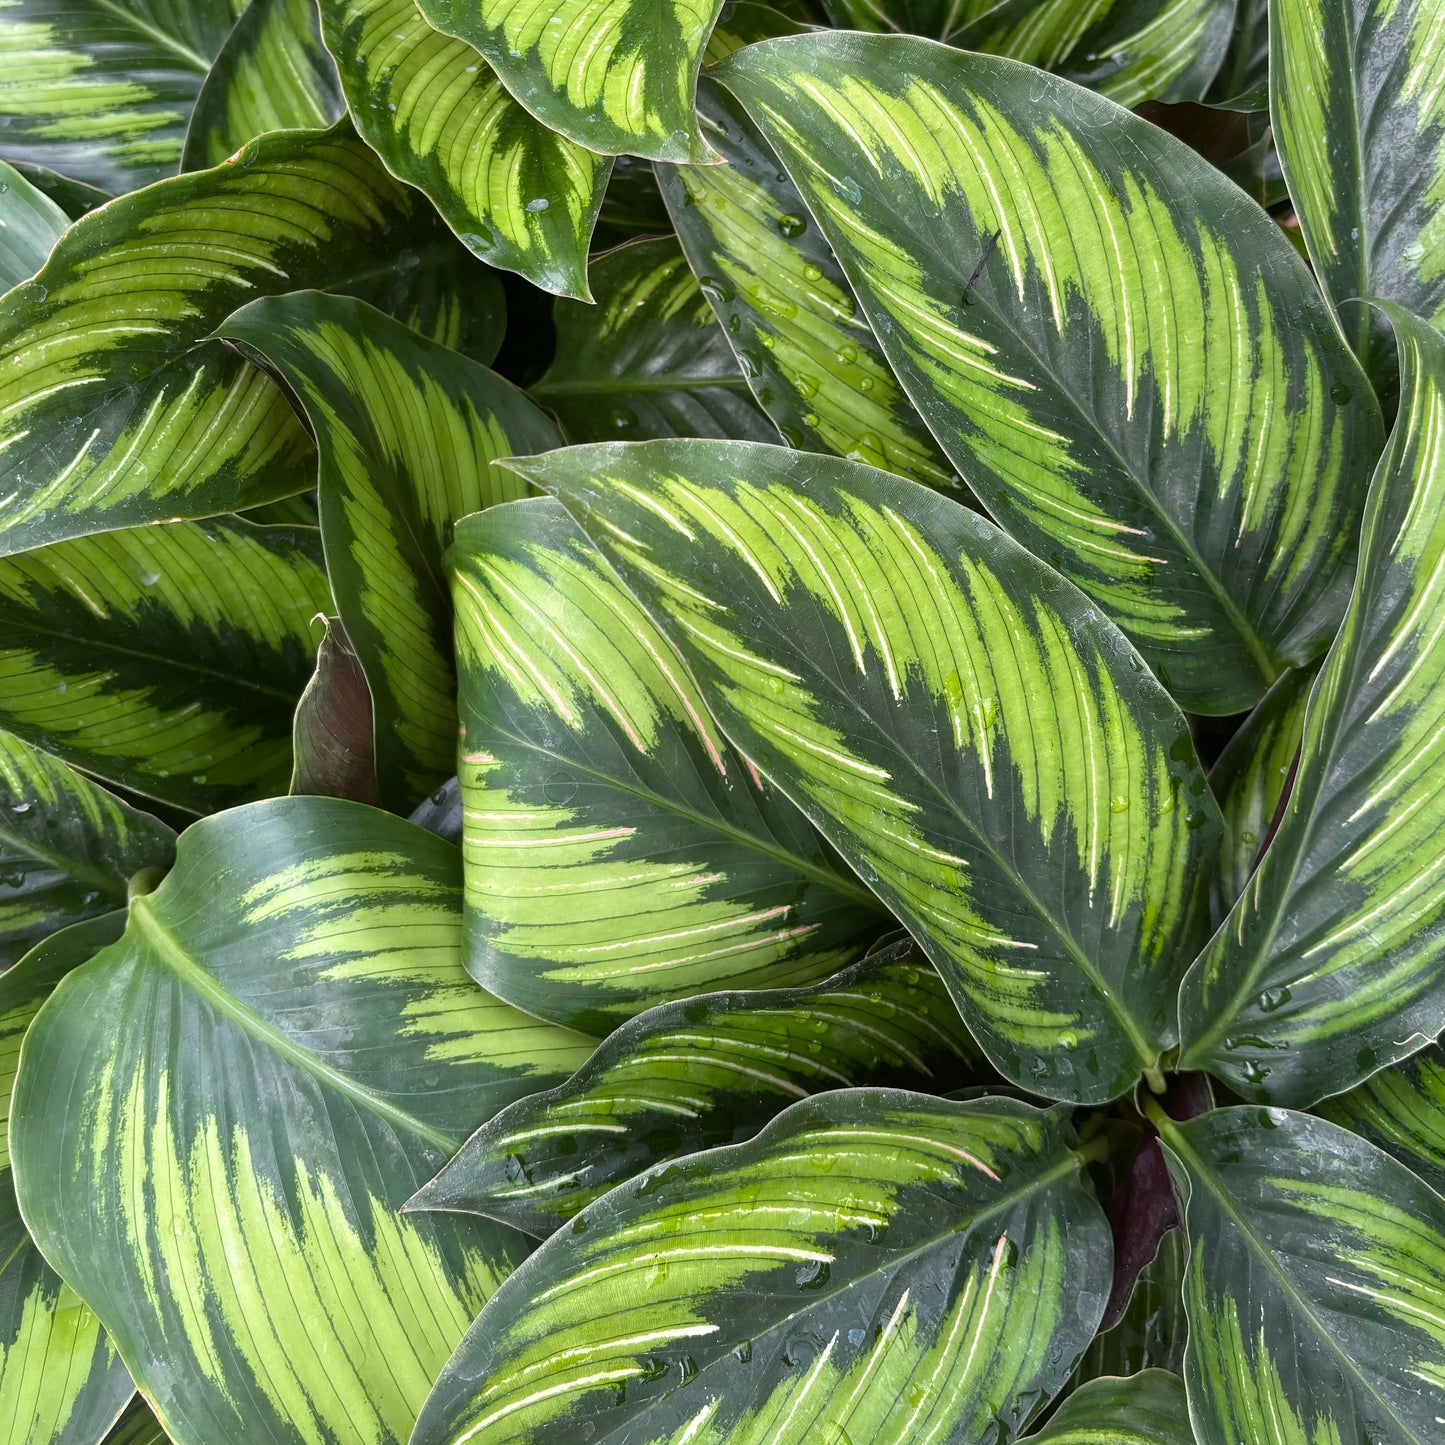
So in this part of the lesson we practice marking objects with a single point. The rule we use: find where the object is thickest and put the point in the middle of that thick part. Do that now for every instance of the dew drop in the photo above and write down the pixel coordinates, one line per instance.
(21, 808)
(1340, 394)
(1254, 1072)
(1273, 998)
(847, 354)
(792, 226)
(813, 1275)
(743, 1351)
(579, 1225)
(1120, 804)
(812, 272)
(811, 418)
(1068, 1040)
(865, 383)
(769, 342)
(538, 203)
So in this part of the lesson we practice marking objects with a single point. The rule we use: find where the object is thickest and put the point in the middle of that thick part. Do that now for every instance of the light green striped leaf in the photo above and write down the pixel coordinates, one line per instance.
(407, 432)
(1314, 1286)
(1250, 777)
(30, 225)
(880, 652)
(332, 740)
(613, 75)
(60, 1378)
(67, 847)
(519, 195)
(1081, 390)
(166, 659)
(618, 852)
(1144, 1409)
(649, 359)
(1357, 96)
(875, 1266)
(810, 357)
(101, 89)
(1402, 1111)
(273, 73)
(215, 1121)
(702, 1072)
(138, 1426)
(1329, 967)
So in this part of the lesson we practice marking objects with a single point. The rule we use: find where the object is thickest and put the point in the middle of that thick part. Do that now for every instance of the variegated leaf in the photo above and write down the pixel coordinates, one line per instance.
(702, 1072)
(1145, 1409)
(875, 1266)
(407, 432)
(613, 75)
(1329, 966)
(61, 1382)
(1314, 1286)
(618, 852)
(648, 359)
(30, 225)
(519, 195)
(880, 652)
(167, 659)
(138, 1426)
(101, 89)
(1121, 353)
(67, 848)
(215, 1120)
(332, 740)
(273, 73)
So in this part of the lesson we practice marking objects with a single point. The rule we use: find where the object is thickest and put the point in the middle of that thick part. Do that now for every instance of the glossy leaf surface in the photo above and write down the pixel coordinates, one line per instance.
(879, 651)
(407, 432)
(332, 741)
(1151, 1333)
(619, 853)
(1329, 965)
(878, 1263)
(648, 359)
(138, 1426)
(703, 1072)
(279, 1051)
(1062, 289)
(1144, 1409)
(1315, 1266)
(30, 225)
(167, 659)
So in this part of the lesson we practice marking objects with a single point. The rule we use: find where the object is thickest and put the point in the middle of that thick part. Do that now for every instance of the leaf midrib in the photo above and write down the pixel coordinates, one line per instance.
(172, 954)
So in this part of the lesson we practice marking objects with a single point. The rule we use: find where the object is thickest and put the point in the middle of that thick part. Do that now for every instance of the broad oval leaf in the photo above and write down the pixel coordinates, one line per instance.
(333, 744)
(407, 433)
(703, 1072)
(880, 652)
(649, 359)
(876, 1265)
(1149, 1408)
(519, 195)
(67, 847)
(618, 852)
(30, 225)
(1316, 1271)
(1121, 353)
(215, 1121)
(613, 75)
(114, 408)
(101, 90)
(60, 1378)
(166, 659)
(273, 73)
(812, 361)
(1329, 966)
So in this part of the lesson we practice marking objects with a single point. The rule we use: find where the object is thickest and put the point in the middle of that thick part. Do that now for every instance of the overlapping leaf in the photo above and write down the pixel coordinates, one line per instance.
(138, 1426)
(618, 852)
(407, 432)
(1243, 79)
(880, 652)
(613, 75)
(1316, 1272)
(1145, 1409)
(648, 359)
(30, 225)
(1151, 1333)
(167, 659)
(273, 73)
(215, 1120)
(67, 848)
(101, 89)
(60, 1378)
(73, 197)
(333, 741)
(704, 1072)
(115, 410)
(1329, 966)
(876, 1266)
(1120, 352)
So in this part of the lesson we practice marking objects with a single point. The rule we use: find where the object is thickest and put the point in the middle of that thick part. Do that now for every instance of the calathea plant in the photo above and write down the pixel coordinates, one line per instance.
(722, 729)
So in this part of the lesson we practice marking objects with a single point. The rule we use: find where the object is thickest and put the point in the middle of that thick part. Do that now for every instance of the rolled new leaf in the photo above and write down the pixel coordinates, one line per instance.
(216, 1119)
(880, 652)
(618, 852)
(876, 1263)
(703, 1072)
(1328, 968)
(1316, 1268)
(1120, 352)
(30, 225)
(332, 742)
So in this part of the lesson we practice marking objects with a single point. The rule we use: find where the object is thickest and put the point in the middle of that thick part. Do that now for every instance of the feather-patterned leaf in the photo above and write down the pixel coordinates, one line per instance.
(30, 225)
(1061, 288)
(879, 651)
(618, 852)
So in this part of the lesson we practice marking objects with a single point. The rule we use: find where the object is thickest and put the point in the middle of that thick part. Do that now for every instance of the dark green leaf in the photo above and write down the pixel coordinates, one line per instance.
(1145, 1409)
(1152, 1331)
(30, 225)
